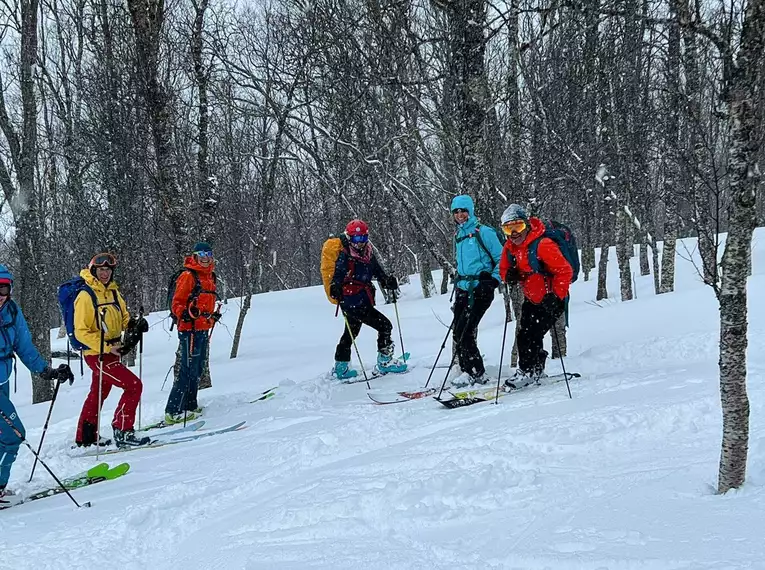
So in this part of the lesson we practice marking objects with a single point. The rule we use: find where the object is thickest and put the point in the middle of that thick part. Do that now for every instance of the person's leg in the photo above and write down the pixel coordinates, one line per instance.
(177, 398)
(9, 439)
(198, 357)
(535, 322)
(343, 350)
(461, 313)
(471, 356)
(88, 423)
(119, 375)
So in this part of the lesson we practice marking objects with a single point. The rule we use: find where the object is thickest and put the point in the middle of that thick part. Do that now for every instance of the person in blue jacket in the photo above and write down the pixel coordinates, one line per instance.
(477, 252)
(15, 339)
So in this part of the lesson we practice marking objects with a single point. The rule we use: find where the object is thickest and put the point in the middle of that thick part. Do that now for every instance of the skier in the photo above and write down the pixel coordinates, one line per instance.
(351, 287)
(193, 305)
(544, 292)
(16, 340)
(101, 313)
(477, 251)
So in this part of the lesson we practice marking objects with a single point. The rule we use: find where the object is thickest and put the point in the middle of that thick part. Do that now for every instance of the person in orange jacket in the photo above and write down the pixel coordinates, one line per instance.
(545, 290)
(193, 306)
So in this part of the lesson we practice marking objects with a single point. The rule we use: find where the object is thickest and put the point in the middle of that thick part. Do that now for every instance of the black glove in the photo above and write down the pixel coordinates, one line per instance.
(62, 374)
(486, 284)
(390, 283)
(186, 316)
(216, 316)
(137, 325)
(336, 291)
(553, 305)
(512, 276)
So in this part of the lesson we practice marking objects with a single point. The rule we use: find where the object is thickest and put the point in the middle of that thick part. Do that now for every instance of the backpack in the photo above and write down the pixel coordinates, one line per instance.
(195, 291)
(562, 235)
(330, 251)
(500, 236)
(67, 293)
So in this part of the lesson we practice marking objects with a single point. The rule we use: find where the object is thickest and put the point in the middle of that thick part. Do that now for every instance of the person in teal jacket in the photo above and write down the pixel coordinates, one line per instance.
(477, 252)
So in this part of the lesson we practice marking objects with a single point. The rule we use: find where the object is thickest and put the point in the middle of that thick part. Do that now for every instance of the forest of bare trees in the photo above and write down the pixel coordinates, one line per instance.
(139, 127)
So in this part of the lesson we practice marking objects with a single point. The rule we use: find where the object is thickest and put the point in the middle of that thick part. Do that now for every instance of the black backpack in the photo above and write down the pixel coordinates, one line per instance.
(195, 292)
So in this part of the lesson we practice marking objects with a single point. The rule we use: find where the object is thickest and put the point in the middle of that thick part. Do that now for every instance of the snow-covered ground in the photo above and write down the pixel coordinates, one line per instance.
(620, 477)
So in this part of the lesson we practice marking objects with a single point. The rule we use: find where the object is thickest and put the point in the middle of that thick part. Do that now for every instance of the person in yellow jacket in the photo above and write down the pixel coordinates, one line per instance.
(102, 308)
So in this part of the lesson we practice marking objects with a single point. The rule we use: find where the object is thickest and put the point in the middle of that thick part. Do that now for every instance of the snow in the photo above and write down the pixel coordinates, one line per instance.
(620, 477)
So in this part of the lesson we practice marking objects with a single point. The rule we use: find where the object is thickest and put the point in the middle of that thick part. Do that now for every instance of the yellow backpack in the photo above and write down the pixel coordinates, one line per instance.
(330, 251)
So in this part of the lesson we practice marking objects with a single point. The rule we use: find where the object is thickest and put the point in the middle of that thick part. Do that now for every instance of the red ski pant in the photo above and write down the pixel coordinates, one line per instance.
(115, 374)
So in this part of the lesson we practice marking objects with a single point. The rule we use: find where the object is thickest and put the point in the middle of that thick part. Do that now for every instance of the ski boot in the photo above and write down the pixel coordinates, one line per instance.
(467, 379)
(127, 438)
(171, 419)
(521, 379)
(386, 364)
(343, 372)
(102, 442)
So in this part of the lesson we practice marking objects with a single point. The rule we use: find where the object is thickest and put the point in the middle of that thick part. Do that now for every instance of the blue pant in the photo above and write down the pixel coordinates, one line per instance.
(183, 396)
(9, 440)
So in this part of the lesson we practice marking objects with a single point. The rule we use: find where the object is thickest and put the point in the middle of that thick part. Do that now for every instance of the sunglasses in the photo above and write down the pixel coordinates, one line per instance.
(5, 290)
(513, 227)
(359, 239)
(104, 260)
(459, 211)
(204, 254)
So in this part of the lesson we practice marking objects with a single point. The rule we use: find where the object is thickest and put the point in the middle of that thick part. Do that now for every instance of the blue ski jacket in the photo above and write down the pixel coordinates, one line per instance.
(471, 257)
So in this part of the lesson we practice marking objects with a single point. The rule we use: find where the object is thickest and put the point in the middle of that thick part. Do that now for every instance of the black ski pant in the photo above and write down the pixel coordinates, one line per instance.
(535, 322)
(467, 316)
(358, 316)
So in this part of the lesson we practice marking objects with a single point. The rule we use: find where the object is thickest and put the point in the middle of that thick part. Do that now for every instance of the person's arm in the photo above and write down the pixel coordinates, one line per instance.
(183, 287)
(555, 262)
(25, 348)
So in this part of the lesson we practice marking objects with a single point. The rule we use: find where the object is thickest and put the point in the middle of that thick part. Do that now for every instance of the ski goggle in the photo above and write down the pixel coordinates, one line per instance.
(513, 227)
(204, 254)
(104, 260)
(359, 239)
(5, 289)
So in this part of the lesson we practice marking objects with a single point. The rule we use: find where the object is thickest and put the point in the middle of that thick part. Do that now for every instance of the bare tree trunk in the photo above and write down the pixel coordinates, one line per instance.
(603, 272)
(516, 296)
(745, 178)
(624, 248)
(559, 329)
(645, 267)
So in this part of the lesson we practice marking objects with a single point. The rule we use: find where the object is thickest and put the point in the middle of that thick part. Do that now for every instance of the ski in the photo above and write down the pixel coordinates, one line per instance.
(163, 442)
(465, 398)
(265, 395)
(99, 473)
(397, 397)
(189, 427)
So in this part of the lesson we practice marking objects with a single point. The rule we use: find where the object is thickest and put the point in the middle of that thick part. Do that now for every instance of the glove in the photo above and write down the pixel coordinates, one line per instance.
(216, 316)
(336, 291)
(552, 304)
(486, 284)
(62, 374)
(512, 275)
(186, 316)
(137, 325)
(390, 283)
(143, 325)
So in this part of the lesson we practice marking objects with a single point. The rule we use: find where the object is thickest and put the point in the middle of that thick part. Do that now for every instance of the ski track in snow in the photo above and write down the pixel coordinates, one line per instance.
(620, 477)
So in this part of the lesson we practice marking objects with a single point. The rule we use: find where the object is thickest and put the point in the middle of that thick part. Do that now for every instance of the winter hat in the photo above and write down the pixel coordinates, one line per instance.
(514, 212)
(201, 246)
(6, 277)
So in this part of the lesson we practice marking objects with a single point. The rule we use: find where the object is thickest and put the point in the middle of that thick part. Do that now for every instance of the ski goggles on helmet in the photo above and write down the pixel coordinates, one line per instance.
(204, 254)
(514, 227)
(5, 289)
(104, 260)
(359, 239)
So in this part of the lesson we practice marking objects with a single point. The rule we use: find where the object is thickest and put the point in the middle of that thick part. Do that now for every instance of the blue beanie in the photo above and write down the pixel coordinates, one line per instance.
(201, 246)
(5, 275)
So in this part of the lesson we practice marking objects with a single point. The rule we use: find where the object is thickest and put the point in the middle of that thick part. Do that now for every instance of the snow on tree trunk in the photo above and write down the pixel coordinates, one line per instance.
(744, 175)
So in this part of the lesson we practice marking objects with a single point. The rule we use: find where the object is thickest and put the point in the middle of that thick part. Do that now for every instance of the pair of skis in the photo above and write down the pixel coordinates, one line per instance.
(98, 474)
(462, 398)
(189, 433)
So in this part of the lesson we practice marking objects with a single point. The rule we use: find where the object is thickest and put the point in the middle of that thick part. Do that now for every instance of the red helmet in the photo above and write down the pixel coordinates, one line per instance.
(356, 228)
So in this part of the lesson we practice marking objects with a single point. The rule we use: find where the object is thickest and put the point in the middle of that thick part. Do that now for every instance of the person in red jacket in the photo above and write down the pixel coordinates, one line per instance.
(544, 291)
(194, 307)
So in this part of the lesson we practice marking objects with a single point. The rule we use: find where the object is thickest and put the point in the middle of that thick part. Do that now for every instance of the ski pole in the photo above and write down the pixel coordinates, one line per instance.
(358, 354)
(140, 366)
(398, 324)
(443, 345)
(100, 382)
(45, 429)
(501, 356)
(563, 365)
(25, 442)
(465, 320)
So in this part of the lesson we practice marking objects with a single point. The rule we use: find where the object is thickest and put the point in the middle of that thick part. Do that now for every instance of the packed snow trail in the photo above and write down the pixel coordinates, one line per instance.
(620, 477)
